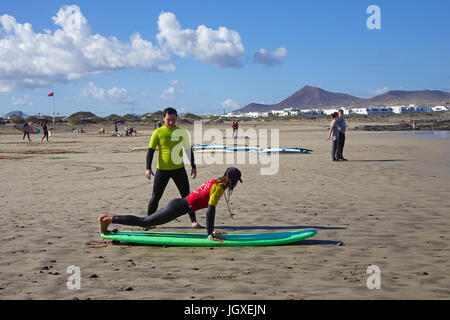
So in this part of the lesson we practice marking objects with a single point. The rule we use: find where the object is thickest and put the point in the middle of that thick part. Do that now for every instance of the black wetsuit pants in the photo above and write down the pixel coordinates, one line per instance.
(340, 148)
(26, 134)
(162, 178)
(174, 209)
(45, 135)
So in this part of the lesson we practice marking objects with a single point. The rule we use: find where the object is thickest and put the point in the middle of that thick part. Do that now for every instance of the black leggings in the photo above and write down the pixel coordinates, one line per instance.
(174, 209)
(45, 135)
(162, 178)
(341, 143)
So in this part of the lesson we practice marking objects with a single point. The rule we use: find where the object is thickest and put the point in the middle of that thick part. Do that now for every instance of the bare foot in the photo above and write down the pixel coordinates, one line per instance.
(104, 221)
(197, 225)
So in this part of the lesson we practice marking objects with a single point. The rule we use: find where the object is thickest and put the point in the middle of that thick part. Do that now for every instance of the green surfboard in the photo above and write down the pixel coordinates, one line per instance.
(201, 239)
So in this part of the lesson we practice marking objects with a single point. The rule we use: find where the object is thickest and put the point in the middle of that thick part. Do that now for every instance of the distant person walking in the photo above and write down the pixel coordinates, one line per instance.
(116, 130)
(414, 125)
(334, 136)
(45, 130)
(341, 141)
(170, 141)
(235, 126)
(25, 126)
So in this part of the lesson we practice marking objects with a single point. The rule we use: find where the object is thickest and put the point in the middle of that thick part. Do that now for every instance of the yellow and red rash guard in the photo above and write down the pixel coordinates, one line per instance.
(209, 193)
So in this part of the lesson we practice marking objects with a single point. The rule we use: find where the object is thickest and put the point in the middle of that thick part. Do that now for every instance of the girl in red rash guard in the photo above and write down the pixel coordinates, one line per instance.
(205, 196)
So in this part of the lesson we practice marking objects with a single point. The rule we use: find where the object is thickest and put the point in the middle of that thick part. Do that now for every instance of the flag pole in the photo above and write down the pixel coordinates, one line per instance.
(53, 107)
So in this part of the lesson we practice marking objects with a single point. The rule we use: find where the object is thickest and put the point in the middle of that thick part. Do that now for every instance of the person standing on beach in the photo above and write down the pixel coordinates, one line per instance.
(342, 128)
(169, 139)
(45, 130)
(25, 133)
(334, 135)
(235, 126)
(206, 196)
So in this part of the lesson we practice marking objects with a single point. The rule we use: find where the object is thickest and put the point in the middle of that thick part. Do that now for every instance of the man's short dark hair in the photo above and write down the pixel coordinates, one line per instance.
(170, 111)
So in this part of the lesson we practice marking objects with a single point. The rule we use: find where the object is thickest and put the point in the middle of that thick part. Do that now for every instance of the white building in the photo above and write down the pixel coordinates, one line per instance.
(279, 113)
(252, 114)
(330, 111)
(439, 108)
(358, 111)
(397, 109)
(312, 112)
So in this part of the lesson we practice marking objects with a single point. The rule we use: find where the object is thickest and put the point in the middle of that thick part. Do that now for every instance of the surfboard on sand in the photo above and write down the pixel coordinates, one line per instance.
(214, 151)
(285, 150)
(139, 149)
(201, 239)
(28, 129)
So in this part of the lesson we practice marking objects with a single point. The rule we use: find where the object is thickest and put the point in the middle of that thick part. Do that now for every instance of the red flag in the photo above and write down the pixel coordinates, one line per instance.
(50, 94)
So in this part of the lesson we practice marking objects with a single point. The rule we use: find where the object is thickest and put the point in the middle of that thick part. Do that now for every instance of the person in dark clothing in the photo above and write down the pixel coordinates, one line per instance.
(45, 130)
(341, 141)
(334, 135)
(25, 126)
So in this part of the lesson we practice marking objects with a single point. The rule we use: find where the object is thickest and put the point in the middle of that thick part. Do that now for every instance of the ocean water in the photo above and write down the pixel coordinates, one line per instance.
(427, 134)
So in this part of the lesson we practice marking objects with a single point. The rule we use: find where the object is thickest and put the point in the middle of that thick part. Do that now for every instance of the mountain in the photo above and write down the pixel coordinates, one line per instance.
(311, 97)
(397, 97)
(16, 113)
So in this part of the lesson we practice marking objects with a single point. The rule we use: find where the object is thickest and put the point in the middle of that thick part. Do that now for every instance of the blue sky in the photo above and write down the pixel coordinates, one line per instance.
(206, 56)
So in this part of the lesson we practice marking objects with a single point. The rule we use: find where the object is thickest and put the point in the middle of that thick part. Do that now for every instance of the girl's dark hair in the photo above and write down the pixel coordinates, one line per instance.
(170, 111)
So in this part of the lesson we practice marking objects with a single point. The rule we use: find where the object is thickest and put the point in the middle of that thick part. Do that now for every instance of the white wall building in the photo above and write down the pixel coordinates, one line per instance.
(358, 111)
(329, 111)
(439, 108)
(279, 113)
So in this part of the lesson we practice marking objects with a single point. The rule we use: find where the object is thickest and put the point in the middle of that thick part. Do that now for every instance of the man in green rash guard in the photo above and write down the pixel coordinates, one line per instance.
(170, 141)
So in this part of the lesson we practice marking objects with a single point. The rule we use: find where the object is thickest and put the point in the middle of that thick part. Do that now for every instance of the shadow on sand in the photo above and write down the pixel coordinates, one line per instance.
(238, 228)
(381, 160)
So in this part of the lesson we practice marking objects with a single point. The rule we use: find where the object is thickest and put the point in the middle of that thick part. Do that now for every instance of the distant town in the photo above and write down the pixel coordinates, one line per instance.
(293, 111)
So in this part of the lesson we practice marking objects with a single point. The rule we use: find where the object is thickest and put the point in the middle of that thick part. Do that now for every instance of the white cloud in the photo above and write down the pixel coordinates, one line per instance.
(21, 101)
(30, 60)
(221, 47)
(114, 95)
(269, 58)
(172, 92)
(230, 104)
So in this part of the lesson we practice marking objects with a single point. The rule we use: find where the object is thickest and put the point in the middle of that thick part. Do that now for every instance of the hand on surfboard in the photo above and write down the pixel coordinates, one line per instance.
(149, 174)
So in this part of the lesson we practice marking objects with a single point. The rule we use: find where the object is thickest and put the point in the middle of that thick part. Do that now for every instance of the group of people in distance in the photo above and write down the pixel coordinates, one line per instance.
(337, 136)
(166, 138)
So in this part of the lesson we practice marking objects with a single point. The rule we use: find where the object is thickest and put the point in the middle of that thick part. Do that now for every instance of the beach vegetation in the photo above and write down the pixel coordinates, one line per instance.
(17, 120)
(114, 118)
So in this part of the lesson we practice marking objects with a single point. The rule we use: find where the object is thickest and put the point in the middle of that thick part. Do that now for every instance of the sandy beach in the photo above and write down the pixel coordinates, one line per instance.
(387, 206)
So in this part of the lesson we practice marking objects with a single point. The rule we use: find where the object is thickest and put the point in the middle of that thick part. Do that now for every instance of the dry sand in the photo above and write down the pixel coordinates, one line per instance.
(388, 205)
